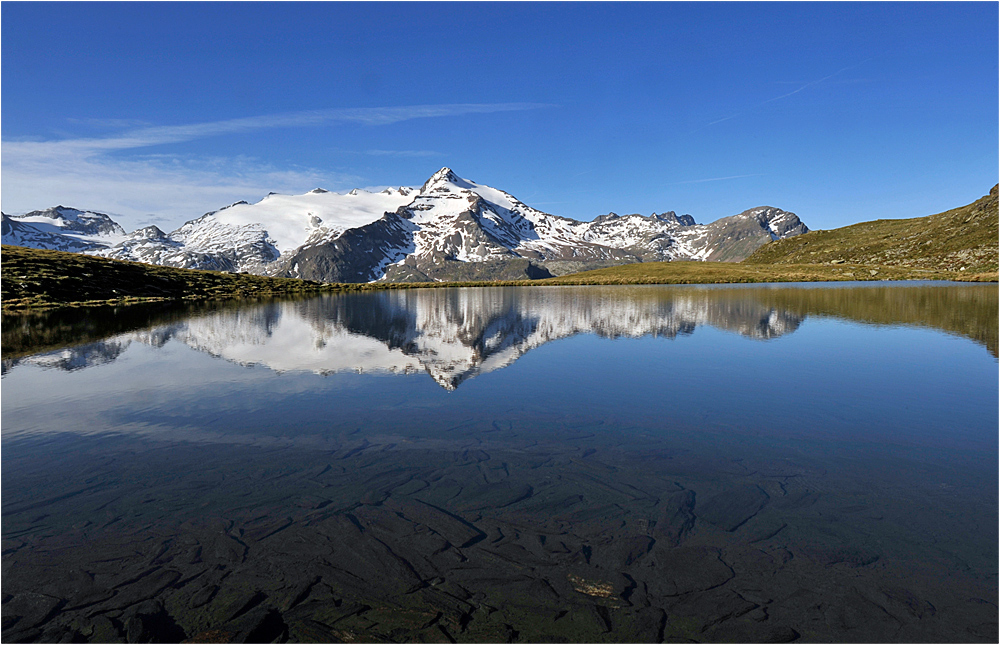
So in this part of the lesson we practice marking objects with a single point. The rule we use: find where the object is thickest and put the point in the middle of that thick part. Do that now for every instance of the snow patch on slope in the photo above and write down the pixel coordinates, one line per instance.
(292, 220)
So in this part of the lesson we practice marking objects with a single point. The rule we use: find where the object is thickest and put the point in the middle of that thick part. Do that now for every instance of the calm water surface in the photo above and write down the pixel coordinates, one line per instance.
(583, 464)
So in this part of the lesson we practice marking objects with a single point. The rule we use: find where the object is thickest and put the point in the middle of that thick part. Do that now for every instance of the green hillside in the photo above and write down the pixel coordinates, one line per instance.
(963, 239)
(39, 278)
(740, 272)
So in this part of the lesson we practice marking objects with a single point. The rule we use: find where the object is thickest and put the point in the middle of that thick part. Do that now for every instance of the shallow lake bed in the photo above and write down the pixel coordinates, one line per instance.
(583, 464)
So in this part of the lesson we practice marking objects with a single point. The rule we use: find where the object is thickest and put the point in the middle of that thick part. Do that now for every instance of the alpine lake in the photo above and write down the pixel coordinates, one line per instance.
(810, 462)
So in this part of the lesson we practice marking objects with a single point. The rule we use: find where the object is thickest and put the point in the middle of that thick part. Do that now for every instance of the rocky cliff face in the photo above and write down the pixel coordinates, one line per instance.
(357, 255)
(449, 229)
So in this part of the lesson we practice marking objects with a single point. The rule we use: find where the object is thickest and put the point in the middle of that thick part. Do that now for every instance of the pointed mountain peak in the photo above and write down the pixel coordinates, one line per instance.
(151, 232)
(441, 178)
(445, 173)
(317, 191)
(671, 216)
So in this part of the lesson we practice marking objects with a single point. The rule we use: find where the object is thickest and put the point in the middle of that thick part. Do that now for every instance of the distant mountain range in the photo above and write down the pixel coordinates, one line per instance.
(449, 229)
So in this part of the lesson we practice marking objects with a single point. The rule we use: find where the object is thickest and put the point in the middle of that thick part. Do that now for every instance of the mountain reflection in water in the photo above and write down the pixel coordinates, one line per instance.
(456, 334)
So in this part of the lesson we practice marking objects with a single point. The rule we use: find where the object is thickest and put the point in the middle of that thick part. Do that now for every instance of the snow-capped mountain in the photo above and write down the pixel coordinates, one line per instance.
(451, 335)
(253, 237)
(455, 228)
(62, 229)
(450, 228)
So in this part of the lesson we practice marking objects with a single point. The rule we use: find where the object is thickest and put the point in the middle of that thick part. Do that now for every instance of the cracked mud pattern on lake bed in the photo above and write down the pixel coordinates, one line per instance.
(488, 537)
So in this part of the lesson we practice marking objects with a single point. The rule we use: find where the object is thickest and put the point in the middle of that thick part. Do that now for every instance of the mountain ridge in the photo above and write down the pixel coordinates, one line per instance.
(450, 227)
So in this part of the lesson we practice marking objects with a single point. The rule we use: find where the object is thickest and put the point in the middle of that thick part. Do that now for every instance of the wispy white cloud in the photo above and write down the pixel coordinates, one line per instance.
(160, 190)
(91, 172)
(839, 81)
(110, 124)
(151, 136)
(802, 87)
(809, 84)
(701, 181)
(403, 153)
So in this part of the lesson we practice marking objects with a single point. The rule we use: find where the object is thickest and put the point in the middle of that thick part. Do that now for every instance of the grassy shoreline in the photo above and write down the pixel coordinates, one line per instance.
(34, 279)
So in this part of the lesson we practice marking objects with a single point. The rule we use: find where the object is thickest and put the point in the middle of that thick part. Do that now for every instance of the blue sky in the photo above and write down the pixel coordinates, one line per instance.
(840, 112)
